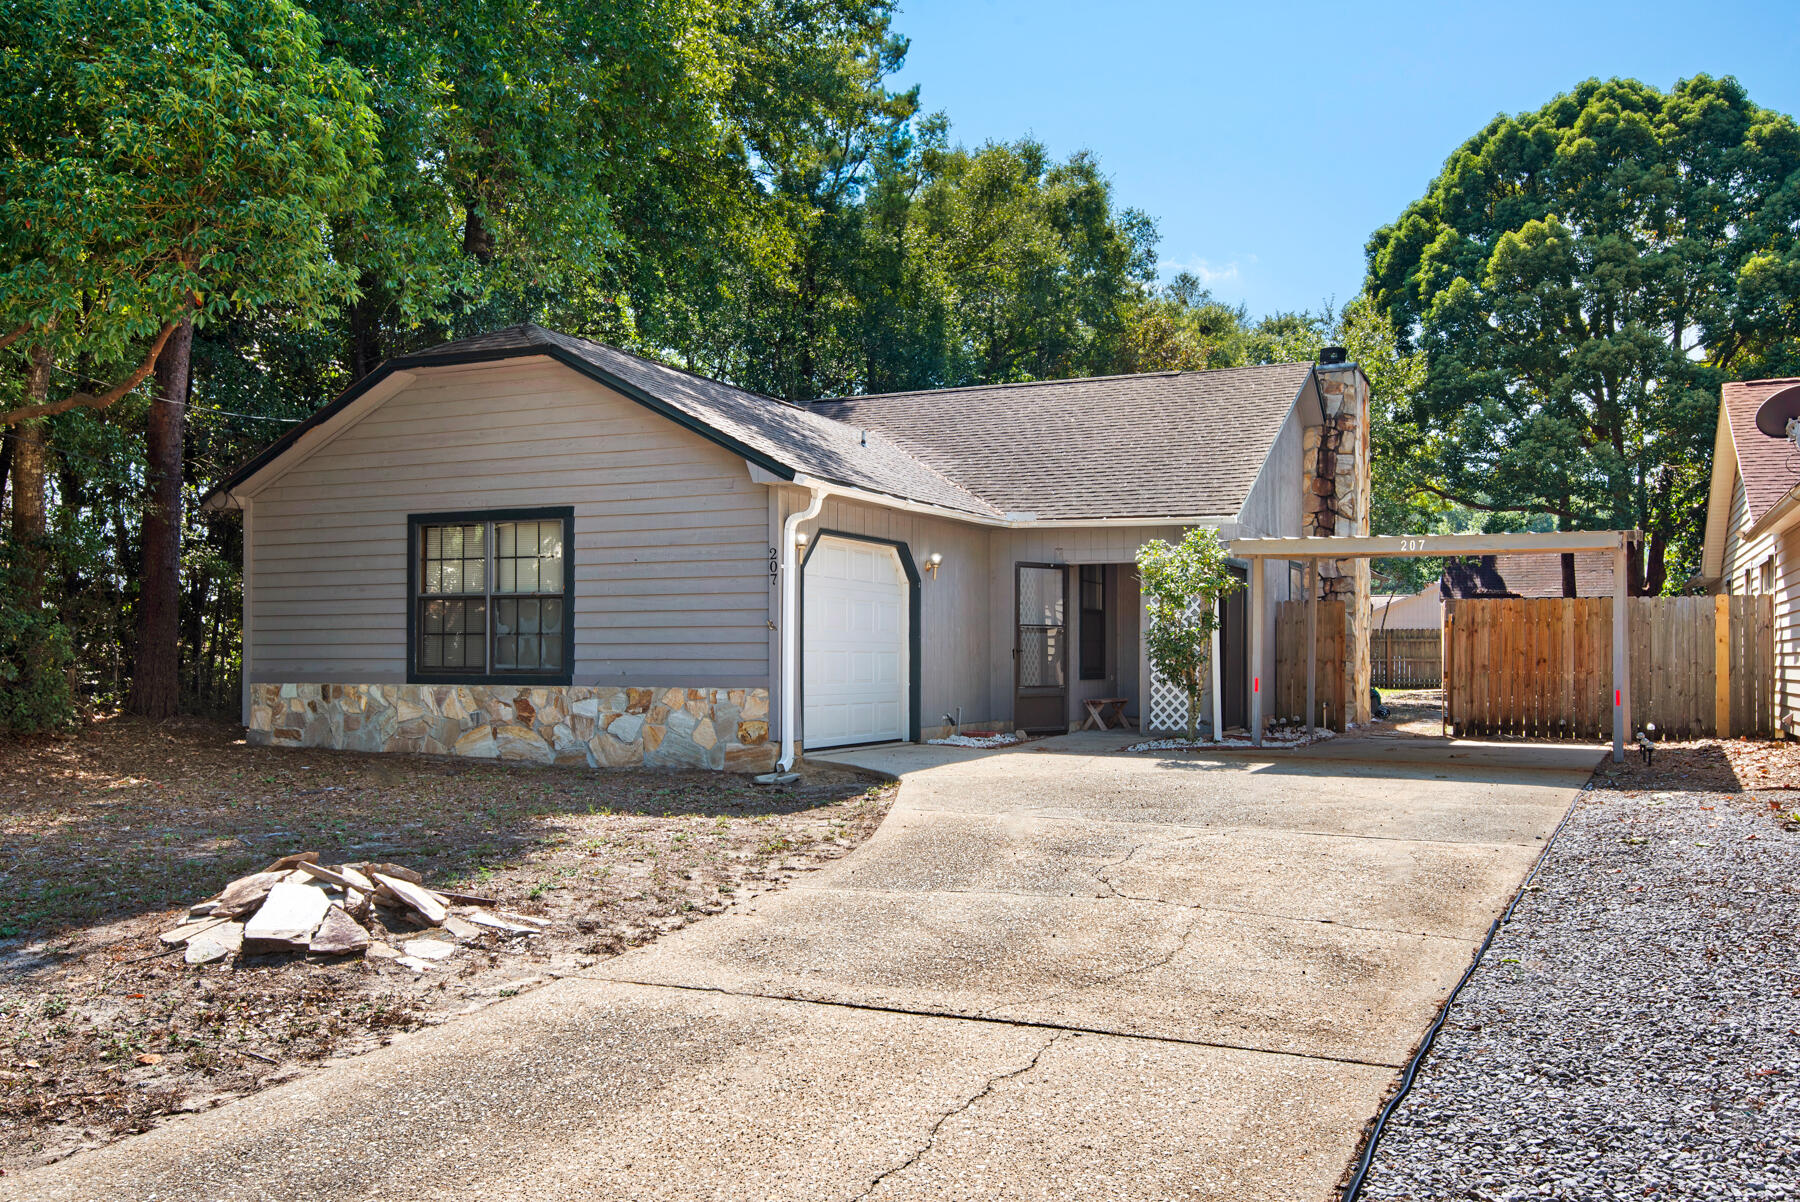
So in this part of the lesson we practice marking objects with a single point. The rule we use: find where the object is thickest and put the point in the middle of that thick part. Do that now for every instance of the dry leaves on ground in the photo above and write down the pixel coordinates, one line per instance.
(107, 837)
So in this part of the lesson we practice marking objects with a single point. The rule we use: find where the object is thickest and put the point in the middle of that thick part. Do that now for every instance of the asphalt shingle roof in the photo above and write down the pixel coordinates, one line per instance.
(1184, 444)
(1175, 444)
(805, 441)
(1768, 465)
(1526, 576)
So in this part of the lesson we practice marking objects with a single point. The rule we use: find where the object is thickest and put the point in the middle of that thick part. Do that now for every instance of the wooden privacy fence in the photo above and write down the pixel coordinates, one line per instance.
(1700, 666)
(1288, 703)
(1406, 659)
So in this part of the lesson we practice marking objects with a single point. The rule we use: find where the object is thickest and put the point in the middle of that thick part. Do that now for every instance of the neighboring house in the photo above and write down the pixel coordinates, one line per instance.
(1525, 576)
(1752, 542)
(531, 546)
(1423, 610)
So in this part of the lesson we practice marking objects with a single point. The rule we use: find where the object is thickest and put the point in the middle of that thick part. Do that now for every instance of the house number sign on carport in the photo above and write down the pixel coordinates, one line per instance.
(1617, 543)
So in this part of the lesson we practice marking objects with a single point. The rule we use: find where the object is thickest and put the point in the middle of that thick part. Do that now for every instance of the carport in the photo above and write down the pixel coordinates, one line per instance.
(1310, 550)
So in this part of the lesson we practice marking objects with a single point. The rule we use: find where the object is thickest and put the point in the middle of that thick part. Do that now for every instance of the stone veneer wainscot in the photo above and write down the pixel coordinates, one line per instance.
(599, 726)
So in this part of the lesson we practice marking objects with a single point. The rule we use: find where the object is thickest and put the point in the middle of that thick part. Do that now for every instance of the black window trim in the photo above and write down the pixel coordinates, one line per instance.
(548, 513)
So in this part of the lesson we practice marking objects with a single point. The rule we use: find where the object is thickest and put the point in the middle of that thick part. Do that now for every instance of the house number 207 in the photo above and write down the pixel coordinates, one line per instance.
(1412, 544)
(774, 566)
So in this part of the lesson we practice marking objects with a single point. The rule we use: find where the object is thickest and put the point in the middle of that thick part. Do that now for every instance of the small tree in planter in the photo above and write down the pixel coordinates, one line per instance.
(1182, 583)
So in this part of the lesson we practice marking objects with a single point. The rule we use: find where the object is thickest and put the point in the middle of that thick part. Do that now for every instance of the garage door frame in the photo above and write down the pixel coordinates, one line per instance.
(914, 674)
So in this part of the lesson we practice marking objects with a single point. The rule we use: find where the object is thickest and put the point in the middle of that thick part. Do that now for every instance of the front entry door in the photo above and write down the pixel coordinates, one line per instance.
(1041, 649)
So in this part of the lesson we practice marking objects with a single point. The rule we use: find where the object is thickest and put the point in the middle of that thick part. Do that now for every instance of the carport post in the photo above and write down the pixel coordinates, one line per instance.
(1257, 588)
(1621, 654)
(1312, 641)
(1218, 709)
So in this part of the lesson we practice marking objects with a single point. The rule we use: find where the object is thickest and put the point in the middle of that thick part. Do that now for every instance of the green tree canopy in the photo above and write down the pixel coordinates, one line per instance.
(1581, 279)
(578, 162)
(166, 160)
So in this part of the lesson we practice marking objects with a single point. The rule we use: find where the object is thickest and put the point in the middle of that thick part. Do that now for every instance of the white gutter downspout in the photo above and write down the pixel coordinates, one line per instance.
(790, 626)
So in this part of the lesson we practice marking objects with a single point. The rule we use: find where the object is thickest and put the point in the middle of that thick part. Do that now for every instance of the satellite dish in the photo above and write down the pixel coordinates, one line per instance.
(1775, 415)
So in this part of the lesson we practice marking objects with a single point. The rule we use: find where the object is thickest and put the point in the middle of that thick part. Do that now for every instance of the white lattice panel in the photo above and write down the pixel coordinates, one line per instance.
(1168, 701)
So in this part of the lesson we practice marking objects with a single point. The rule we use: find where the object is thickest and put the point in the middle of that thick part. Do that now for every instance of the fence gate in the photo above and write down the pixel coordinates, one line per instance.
(1406, 658)
(1289, 701)
(1542, 668)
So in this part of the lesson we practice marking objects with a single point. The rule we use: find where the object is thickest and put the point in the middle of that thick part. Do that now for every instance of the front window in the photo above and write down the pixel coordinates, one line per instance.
(491, 597)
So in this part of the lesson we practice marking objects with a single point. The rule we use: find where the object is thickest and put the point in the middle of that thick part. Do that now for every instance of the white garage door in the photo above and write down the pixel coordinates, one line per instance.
(855, 666)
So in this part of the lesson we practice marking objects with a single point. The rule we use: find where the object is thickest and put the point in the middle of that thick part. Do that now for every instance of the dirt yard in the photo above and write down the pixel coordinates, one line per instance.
(1414, 711)
(107, 837)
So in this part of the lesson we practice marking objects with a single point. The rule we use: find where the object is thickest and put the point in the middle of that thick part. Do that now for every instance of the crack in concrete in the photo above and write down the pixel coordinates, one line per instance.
(1099, 873)
(1193, 923)
(977, 1016)
(1222, 827)
(924, 1149)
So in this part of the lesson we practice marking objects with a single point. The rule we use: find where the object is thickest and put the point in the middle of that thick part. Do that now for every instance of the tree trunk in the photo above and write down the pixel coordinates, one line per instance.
(6, 458)
(30, 455)
(209, 682)
(193, 631)
(156, 677)
(1656, 572)
(365, 328)
(478, 240)
(1568, 573)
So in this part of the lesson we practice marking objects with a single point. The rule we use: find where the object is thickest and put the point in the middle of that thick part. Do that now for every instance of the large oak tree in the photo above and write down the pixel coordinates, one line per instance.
(1581, 279)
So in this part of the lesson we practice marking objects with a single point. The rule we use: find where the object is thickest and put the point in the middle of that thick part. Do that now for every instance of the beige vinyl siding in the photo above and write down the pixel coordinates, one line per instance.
(1072, 546)
(1748, 555)
(953, 603)
(1739, 553)
(1787, 627)
(670, 539)
(966, 610)
(1273, 510)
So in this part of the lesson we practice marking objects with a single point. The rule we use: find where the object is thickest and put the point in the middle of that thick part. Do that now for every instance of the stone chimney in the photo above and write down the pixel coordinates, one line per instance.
(1335, 458)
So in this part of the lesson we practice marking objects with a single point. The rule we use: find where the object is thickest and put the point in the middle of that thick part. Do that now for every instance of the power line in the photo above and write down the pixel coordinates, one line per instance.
(188, 405)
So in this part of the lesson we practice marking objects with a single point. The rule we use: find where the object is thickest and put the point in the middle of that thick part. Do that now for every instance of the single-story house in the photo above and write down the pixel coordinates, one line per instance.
(1524, 575)
(1752, 542)
(532, 546)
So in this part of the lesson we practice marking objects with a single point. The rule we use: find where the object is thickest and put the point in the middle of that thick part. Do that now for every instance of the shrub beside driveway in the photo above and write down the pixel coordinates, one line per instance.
(107, 837)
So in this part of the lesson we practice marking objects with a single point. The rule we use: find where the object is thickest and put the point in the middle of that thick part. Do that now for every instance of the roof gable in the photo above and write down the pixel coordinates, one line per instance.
(1769, 466)
(1177, 444)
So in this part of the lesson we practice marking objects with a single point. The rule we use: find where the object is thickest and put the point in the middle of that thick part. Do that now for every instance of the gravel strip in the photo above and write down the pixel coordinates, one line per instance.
(1633, 1032)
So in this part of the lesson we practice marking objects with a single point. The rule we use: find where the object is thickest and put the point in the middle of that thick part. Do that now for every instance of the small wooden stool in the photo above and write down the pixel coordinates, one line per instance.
(1099, 708)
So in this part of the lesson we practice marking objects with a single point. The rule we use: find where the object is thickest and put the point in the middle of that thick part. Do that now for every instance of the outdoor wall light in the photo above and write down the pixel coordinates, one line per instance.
(932, 561)
(800, 538)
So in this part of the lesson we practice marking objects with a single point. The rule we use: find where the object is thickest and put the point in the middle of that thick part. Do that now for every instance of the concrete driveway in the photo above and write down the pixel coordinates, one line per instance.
(1055, 972)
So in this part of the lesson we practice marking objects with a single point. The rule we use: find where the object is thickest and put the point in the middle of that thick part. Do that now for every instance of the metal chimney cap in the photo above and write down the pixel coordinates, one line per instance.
(1330, 356)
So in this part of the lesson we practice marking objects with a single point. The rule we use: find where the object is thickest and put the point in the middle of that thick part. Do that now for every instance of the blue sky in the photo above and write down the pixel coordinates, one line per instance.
(1269, 140)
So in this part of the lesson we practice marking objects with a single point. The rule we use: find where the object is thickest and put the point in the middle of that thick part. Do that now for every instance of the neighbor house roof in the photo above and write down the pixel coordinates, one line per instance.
(1767, 464)
(1525, 576)
(1169, 443)
(1176, 444)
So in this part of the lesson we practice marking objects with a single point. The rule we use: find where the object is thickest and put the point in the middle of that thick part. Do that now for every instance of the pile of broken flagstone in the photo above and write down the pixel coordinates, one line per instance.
(297, 904)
